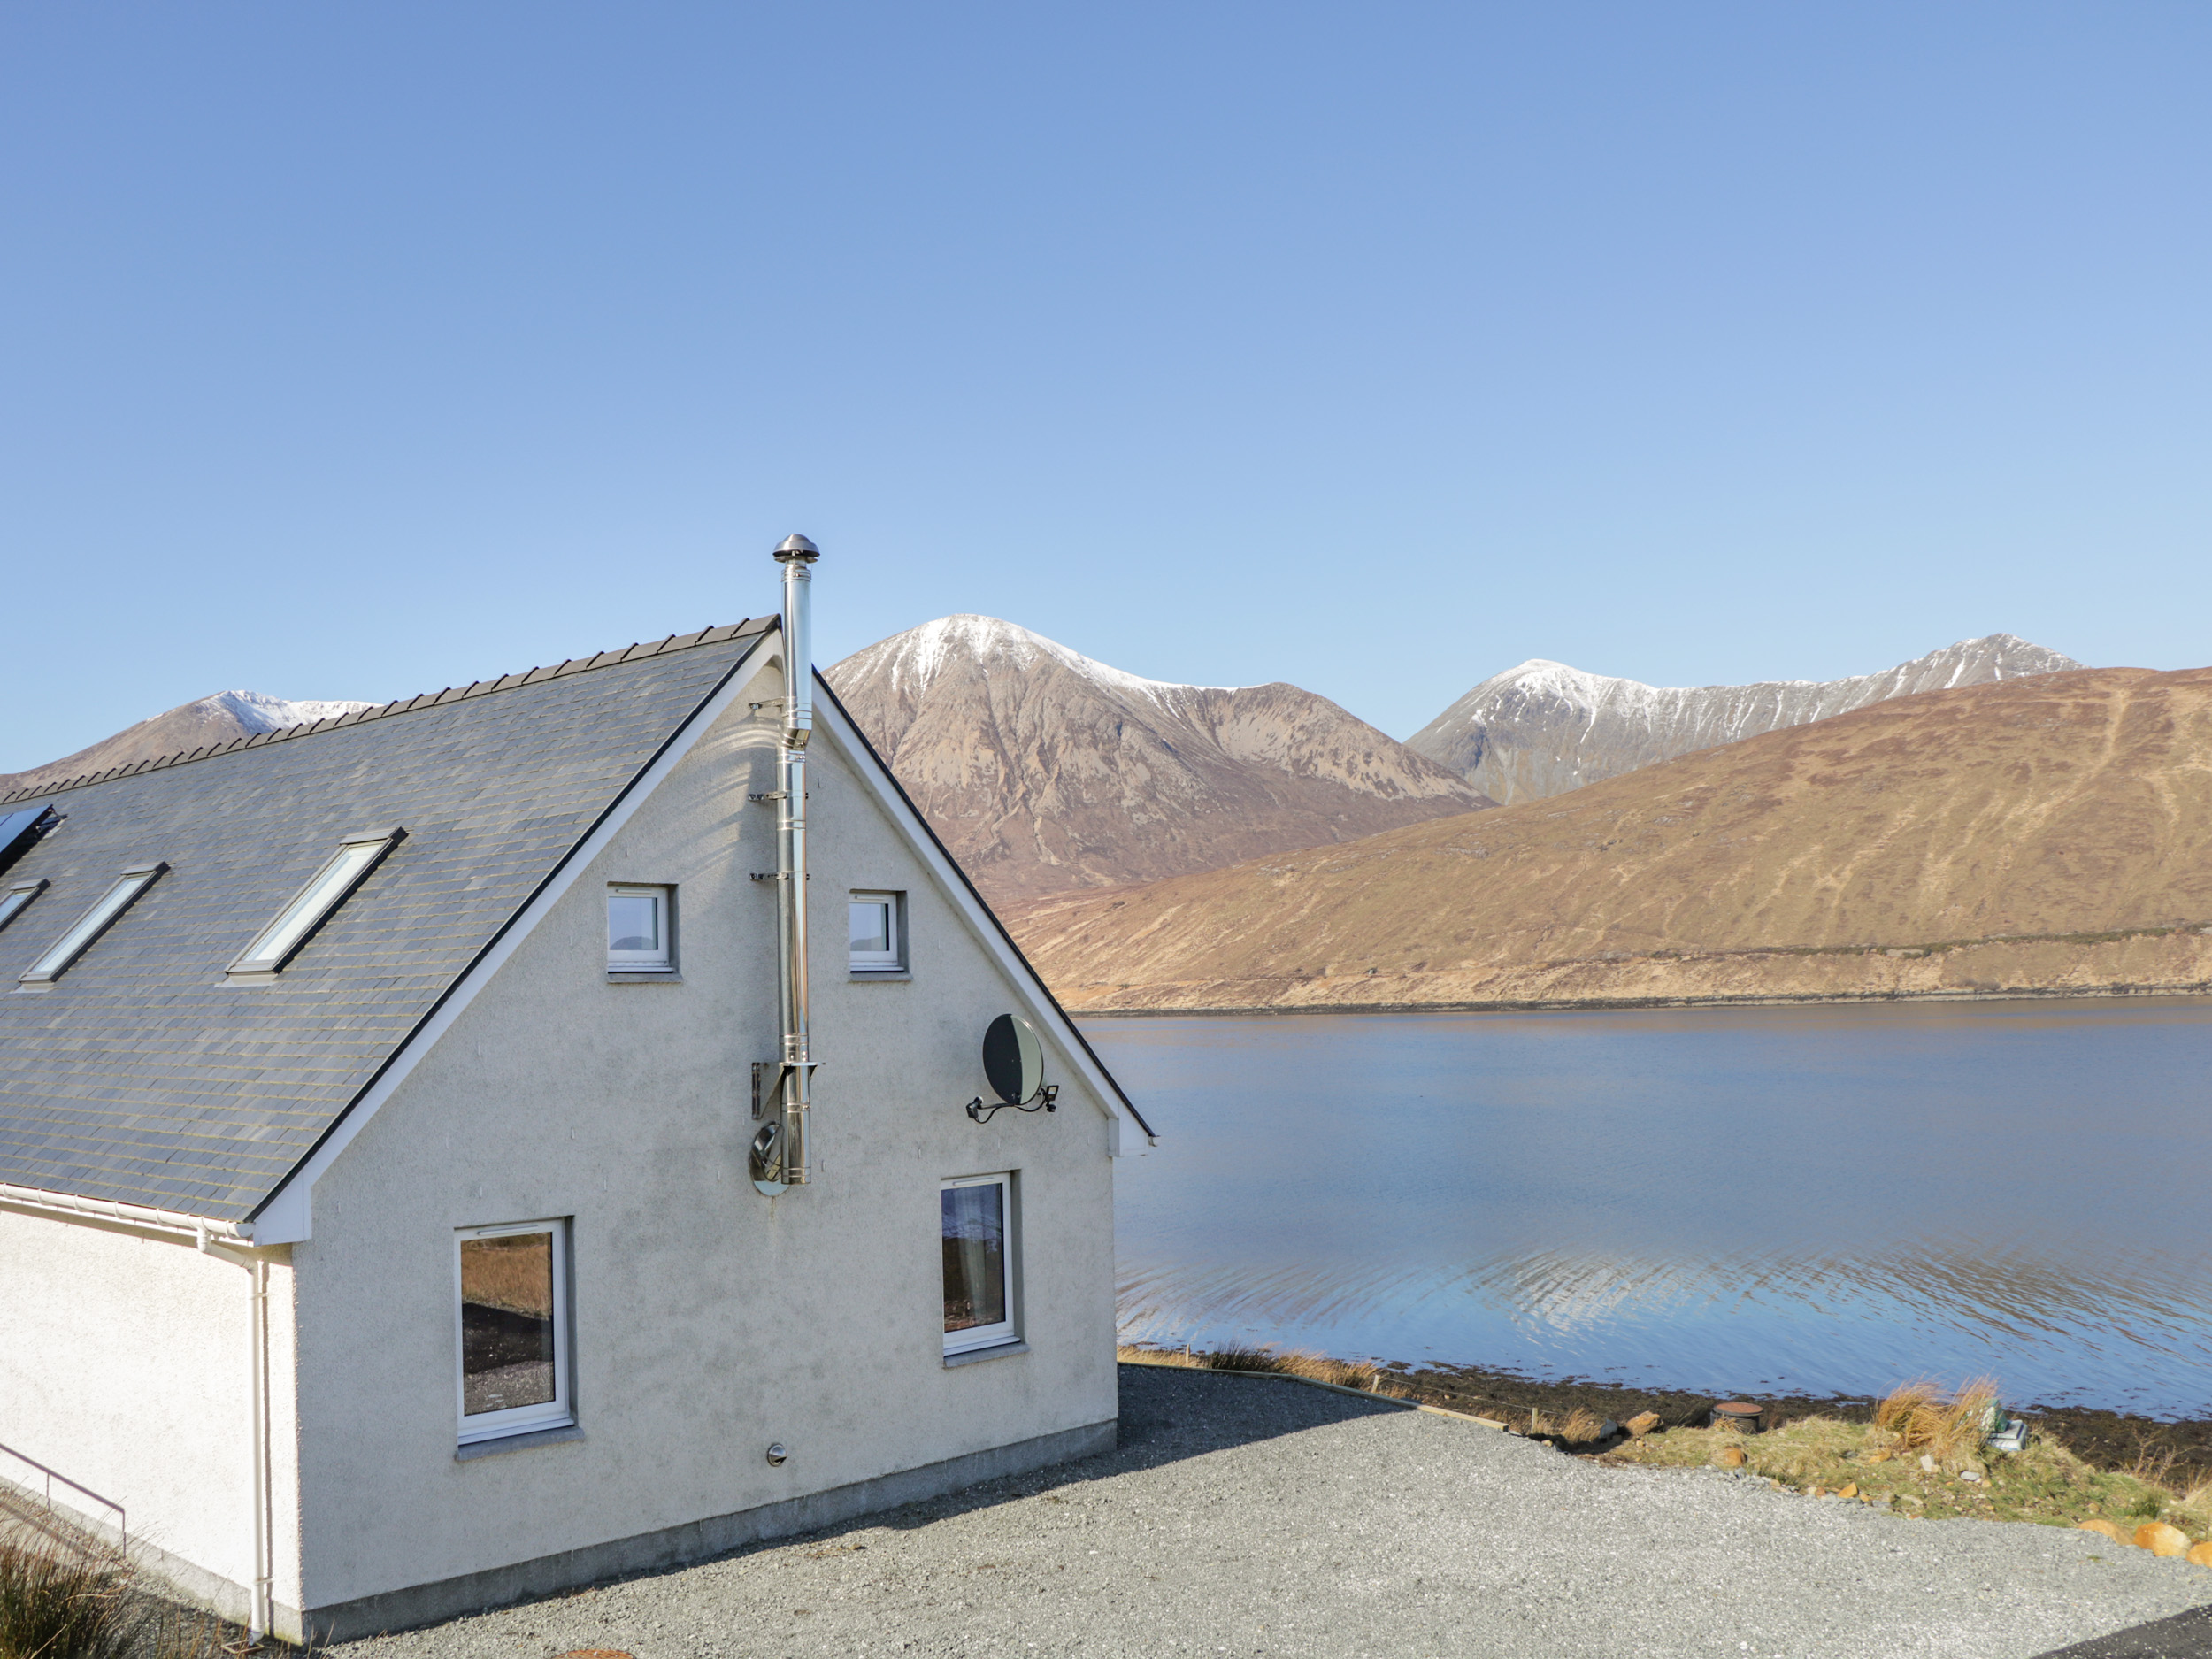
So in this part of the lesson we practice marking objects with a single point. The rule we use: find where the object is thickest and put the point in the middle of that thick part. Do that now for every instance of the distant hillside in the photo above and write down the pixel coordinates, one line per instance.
(1544, 729)
(2049, 832)
(1044, 771)
(190, 726)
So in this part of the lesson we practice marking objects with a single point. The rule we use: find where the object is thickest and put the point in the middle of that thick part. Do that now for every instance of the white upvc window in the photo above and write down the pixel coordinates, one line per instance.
(91, 925)
(979, 1245)
(511, 1320)
(879, 933)
(326, 890)
(641, 930)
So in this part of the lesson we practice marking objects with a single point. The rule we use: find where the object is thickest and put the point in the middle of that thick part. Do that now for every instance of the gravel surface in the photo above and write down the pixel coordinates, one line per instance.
(1246, 1515)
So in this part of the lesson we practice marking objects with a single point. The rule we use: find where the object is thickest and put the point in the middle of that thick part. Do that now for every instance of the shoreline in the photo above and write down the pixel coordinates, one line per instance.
(2109, 993)
(2177, 1450)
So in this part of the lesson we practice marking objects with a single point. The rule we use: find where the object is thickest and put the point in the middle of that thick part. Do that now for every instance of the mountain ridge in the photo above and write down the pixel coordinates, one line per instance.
(218, 717)
(2046, 833)
(1045, 771)
(1542, 728)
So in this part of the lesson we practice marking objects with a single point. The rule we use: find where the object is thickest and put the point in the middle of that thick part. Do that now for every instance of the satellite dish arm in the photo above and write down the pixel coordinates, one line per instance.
(1045, 1099)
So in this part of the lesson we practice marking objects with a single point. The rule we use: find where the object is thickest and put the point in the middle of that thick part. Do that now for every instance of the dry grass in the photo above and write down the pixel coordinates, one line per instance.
(1922, 1420)
(1281, 1362)
(64, 1594)
(1880, 1461)
(58, 1602)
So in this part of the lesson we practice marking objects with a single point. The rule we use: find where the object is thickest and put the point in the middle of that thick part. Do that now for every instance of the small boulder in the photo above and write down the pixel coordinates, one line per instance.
(1849, 1489)
(1730, 1457)
(2200, 1554)
(1641, 1423)
(2103, 1529)
(2162, 1539)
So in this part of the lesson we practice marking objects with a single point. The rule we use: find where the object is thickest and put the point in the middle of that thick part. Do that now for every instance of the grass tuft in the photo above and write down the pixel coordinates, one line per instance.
(1581, 1425)
(56, 1603)
(1921, 1420)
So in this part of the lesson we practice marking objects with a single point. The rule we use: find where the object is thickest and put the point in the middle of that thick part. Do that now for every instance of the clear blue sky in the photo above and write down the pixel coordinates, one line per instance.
(360, 350)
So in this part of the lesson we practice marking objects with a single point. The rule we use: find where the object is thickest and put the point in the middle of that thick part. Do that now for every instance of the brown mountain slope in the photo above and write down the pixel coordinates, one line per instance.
(1935, 843)
(189, 726)
(1044, 771)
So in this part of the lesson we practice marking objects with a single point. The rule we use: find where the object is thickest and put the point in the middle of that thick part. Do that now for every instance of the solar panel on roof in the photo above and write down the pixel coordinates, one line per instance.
(20, 830)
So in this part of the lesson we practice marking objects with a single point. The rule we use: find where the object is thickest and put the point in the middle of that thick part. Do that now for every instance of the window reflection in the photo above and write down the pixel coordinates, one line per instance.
(506, 1322)
(975, 1255)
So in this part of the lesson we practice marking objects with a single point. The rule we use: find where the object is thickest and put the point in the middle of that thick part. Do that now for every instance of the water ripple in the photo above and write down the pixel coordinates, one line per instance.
(1614, 1195)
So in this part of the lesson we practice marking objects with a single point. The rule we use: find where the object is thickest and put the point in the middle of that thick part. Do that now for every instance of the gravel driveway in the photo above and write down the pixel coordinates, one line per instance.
(1245, 1515)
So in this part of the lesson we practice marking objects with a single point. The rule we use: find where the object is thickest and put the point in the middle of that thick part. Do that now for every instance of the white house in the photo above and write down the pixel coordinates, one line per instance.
(434, 1169)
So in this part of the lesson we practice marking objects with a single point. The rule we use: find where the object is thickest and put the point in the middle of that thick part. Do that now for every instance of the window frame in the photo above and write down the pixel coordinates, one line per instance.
(560, 1411)
(18, 898)
(891, 962)
(1007, 1332)
(255, 961)
(662, 963)
(81, 934)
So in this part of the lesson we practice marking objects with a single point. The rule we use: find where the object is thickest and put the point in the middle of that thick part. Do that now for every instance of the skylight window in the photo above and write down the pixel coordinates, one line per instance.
(20, 830)
(91, 925)
(18, 895)
(324, 893)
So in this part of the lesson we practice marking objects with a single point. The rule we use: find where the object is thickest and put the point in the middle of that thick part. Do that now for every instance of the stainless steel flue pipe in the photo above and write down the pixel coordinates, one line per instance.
(796, 555)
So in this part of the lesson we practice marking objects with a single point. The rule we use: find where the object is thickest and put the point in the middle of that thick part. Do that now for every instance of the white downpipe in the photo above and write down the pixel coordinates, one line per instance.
(796, 555)
(264, 1499)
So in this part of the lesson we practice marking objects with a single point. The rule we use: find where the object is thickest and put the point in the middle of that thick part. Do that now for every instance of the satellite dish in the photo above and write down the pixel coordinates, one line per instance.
(1013, 1060)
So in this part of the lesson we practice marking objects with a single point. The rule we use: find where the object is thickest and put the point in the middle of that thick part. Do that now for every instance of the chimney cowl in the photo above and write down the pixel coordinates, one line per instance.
(797, 547)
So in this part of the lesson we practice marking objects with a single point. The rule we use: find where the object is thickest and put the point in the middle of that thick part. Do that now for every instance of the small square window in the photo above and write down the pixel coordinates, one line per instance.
(978, 1224)
(641, 927)
(879, 933)
(512, 1314)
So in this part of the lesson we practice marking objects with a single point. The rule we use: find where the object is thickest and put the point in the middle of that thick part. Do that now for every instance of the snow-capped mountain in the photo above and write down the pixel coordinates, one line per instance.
(189, 726)
(1544, 729)
(1044, 771)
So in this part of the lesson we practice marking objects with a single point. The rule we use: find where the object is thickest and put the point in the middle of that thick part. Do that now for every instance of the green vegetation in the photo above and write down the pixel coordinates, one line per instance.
(1923, 1456)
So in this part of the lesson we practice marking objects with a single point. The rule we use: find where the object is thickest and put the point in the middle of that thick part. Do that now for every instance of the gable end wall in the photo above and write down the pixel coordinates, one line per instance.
(708, 1321)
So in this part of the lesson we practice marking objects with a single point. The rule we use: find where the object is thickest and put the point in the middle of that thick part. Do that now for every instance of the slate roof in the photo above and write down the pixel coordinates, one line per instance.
(142, 1075)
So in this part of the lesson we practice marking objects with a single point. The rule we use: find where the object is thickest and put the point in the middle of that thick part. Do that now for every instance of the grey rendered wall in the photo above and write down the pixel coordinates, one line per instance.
(126, 1365)
(710, 1321)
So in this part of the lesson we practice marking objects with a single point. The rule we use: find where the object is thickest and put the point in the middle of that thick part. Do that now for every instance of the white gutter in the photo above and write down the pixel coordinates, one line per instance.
(68, 1205)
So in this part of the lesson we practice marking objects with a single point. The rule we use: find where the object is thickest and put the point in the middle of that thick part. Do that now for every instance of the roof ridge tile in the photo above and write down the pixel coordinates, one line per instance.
(712, 635)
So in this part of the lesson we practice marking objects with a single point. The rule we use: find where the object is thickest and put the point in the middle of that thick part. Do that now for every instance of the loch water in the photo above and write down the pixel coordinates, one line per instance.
(1820, 1200)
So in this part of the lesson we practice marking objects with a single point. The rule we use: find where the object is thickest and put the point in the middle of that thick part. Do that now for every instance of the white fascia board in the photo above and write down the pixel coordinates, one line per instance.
(1125, 1132)
(287, 1217)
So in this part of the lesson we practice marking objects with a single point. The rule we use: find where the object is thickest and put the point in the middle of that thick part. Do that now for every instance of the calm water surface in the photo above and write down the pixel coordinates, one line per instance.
(1821, 1199)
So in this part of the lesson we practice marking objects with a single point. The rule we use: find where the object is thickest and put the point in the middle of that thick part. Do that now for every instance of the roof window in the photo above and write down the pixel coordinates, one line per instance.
(20, 830)
(326, 890)
(90, 926)
(18, 895)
